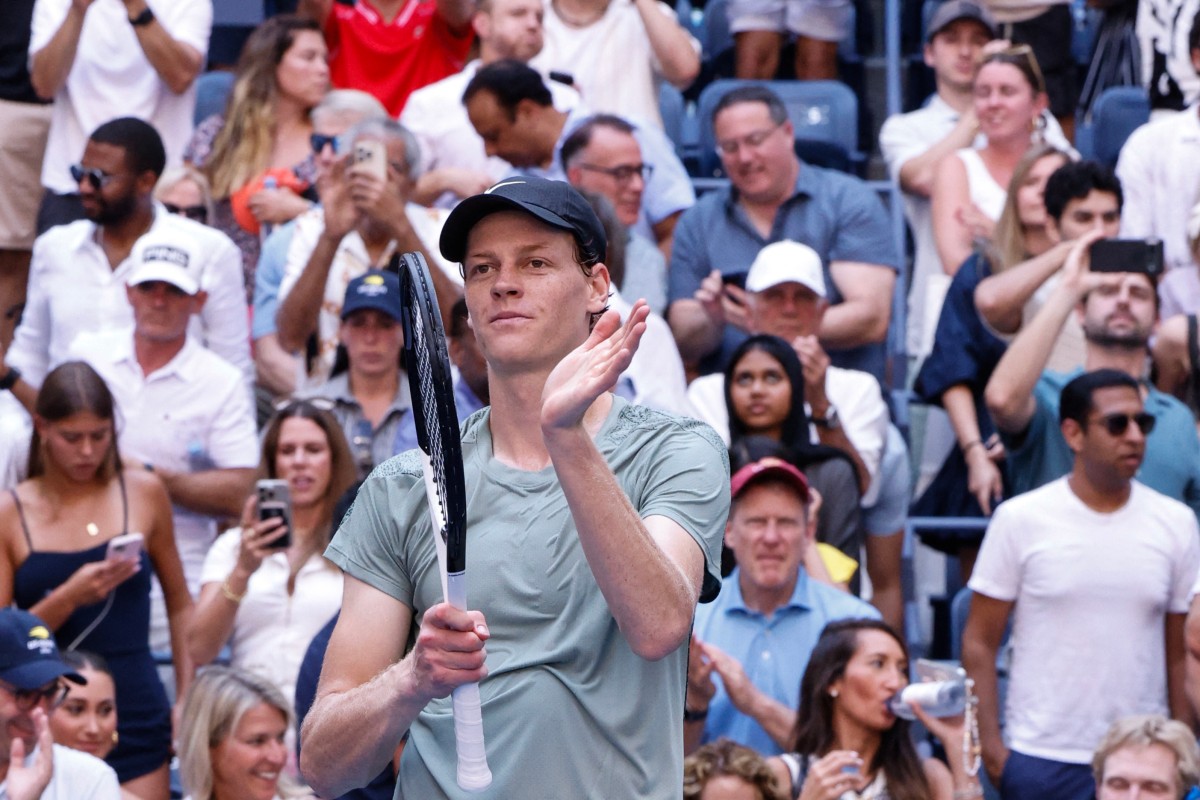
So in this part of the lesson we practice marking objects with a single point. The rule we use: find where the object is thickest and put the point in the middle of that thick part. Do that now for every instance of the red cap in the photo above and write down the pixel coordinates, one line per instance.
(773, 467)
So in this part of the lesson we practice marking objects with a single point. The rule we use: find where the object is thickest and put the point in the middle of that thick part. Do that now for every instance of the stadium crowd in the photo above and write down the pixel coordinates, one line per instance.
(200, 322)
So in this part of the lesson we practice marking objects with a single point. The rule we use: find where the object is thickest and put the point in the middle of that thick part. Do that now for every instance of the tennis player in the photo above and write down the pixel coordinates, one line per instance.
(593, 527)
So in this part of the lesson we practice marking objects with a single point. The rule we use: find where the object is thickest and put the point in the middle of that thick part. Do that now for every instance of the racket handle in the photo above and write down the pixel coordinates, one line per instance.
(473, 771)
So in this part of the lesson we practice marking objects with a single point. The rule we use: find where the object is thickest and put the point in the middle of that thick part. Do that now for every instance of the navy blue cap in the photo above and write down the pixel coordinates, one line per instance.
(28, 654)
(555, 203)
(375, 290)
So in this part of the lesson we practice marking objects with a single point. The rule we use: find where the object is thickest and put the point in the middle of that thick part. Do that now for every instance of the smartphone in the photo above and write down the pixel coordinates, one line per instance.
(1128, 255)
(737, 279)
(127, 547)
(275, 501)
(371, 156)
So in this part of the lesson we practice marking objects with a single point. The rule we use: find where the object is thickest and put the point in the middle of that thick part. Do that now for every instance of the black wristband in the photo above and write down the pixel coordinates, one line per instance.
(143, 19)
(10, 379)
(694, 716)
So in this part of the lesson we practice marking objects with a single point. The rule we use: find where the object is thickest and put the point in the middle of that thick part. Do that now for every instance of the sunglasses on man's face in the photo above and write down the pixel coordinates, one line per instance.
(96, 178)
(1117, 424)
(320, 141)
(198, 213)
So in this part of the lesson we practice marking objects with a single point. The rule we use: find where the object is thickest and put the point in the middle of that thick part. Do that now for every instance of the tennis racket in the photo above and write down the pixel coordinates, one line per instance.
(432, 390)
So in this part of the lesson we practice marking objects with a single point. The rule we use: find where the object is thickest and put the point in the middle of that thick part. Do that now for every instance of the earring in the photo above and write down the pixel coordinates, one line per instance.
(116, 738)
(833, 693)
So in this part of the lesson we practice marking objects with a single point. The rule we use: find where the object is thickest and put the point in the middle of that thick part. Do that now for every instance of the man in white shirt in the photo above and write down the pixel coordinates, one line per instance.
(1094, 570)
(187, 413)
(453, 162)
(79, 271)
(32, 685)
(93, 57)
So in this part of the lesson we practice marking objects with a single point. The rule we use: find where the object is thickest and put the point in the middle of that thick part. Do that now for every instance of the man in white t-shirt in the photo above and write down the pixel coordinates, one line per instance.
(186, 413)
(93, 57)
(1094, 570)
(453, 162)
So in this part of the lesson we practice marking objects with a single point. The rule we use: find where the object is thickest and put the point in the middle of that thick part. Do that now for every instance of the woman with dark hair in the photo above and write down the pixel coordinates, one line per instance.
(847, 740)
(258, 154)
(265, 599)
(55, 530)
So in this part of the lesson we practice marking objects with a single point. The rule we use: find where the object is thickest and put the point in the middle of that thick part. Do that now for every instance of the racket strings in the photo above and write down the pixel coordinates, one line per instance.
(433, 433)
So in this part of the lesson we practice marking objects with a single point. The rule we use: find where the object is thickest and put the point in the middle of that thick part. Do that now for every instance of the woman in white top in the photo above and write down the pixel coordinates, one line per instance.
(231, 738)
(969, 188)
(269, 601)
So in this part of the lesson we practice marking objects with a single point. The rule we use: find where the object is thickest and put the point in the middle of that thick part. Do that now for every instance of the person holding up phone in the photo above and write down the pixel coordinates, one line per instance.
(265, 588)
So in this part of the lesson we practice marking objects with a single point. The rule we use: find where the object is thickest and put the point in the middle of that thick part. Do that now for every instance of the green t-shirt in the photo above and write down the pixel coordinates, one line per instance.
(569, 711)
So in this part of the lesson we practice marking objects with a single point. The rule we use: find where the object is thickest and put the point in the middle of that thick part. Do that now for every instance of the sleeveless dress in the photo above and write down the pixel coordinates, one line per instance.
(121, 636)
(985, 193)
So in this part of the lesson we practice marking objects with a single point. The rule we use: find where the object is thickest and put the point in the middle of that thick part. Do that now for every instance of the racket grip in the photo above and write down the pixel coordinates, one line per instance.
(473, 771)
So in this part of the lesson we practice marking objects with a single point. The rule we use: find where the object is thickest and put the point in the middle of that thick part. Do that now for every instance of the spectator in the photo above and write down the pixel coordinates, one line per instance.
(265, 600)
(1160, 170)
(1176, 347)
(774, 196)
(33, 671)
(257, 154)
(969, 188)
(79, 271)
(619, 54)
(277, 370)
(972, 477)
(184, 190)
(846, 741)
(231, 738)
(87, 719)
(1151, 756)
(453, 162)
(389, 48)
(761, 30)
(368, 389)
(363, 222)
(1101, 567)
(25, 118)
(724, 770)
(759, 632)
(140, 56)
(57, 566)
(602, 155)
(1117, 311)
(1046, 28)
(512, 110)
(16, 426)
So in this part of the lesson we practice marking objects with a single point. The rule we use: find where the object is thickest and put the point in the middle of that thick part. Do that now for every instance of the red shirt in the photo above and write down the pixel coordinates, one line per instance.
(393, 59)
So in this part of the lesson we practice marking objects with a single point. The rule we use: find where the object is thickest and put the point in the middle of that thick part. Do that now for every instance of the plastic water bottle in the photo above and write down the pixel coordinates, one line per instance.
(198, 458)
(936, 698)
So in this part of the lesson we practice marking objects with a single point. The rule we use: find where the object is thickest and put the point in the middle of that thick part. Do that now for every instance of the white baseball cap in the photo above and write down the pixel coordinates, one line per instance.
(168, 258)
(784, 262)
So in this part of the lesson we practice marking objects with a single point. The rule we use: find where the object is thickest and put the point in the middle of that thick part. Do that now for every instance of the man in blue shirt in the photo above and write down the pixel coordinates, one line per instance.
(775, 196)
(759, 632)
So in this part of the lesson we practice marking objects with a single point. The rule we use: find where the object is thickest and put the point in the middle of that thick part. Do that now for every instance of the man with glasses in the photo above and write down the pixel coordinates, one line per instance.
(1095, 571)
(1118, 313)
(775, 196)
(79, 271)
(32, 685)
(512, 110)
(603, 156)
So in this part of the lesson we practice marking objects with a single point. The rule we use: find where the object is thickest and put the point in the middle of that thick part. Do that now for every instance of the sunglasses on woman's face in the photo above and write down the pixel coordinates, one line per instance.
(320, 141)
(198, 213)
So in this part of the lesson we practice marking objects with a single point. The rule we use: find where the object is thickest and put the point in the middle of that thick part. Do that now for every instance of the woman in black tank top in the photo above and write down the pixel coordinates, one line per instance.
(55, 561)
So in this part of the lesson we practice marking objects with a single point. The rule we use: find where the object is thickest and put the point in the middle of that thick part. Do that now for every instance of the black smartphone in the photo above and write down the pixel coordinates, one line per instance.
(275, 500)
(737, 279)
(1128, 255)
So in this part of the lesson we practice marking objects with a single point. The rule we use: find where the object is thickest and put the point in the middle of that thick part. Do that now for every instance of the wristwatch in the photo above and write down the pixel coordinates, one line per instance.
(143, 19)
(10, 379)
(829, 422)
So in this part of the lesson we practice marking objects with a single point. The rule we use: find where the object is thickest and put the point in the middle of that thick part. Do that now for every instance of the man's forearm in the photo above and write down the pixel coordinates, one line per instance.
(671, 44)
(1001, 297)
(176, 63)
(648, 593)
(51, 65)
(856, 322)
(297, 316)
(275, 367)
(216, 492)
(695, 332)
(916, 175)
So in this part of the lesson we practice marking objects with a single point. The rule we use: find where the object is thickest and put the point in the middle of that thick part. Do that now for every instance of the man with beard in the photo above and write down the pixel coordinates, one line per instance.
(1118, 312)
(79, 271)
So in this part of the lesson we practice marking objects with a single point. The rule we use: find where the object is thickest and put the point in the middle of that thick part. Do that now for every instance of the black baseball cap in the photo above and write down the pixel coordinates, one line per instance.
(375, 289)
(555, 203)
(29, 657)
(954, 10)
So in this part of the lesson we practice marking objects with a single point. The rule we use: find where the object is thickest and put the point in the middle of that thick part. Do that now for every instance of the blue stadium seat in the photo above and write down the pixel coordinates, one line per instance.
(1115, 115)
(824, 114)
(716, 38)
